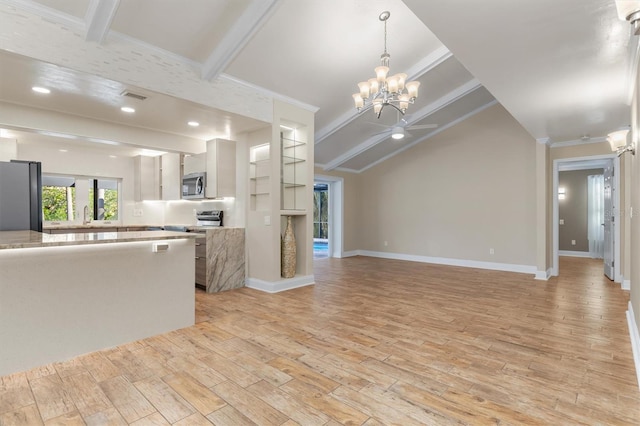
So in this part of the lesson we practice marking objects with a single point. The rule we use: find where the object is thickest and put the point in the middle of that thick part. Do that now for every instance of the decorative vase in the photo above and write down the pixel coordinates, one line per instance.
(288, 263)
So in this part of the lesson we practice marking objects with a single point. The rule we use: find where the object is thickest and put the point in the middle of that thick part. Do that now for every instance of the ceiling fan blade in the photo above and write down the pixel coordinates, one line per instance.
(386, 126)
(384, 132)
(422, 126)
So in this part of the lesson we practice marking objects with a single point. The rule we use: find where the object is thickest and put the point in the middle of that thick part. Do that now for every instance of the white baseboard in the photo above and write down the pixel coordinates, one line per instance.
(574, 253)
(508, 267)
(635, 340)
(280, 285)
(625, 285)
(543, 275)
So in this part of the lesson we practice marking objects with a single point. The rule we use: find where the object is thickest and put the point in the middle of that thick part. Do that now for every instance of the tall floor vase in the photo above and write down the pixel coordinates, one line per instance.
(288, 263)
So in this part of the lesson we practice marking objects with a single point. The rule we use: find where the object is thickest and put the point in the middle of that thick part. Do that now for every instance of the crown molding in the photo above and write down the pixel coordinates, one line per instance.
(544, 141)
(578, 142)
(271, 94)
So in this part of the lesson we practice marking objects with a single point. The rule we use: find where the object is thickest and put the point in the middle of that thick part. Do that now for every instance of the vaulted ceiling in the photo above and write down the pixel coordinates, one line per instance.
(560, 68)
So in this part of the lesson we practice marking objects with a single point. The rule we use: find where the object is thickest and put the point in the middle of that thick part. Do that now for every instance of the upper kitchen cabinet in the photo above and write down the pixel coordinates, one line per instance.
(157, 178)
(170, 176)
(146, 178)
(221, 168)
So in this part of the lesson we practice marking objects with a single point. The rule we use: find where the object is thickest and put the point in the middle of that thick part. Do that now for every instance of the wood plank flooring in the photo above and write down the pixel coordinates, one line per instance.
(374, 342)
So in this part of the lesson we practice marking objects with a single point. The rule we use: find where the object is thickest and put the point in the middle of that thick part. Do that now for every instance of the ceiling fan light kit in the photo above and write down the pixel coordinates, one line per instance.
(384, 90)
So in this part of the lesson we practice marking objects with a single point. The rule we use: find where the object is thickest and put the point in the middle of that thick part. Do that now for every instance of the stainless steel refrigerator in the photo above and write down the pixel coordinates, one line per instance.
(20, 196)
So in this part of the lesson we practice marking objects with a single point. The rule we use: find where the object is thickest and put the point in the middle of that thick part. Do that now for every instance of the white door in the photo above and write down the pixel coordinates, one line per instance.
(609, 222)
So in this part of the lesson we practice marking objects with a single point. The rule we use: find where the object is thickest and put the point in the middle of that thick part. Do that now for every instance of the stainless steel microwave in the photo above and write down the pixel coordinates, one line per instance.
(193, 185)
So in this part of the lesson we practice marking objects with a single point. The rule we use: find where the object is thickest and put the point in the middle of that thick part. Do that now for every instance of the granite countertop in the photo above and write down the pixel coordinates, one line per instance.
(96, 225)
(32, 239)
(196, 228)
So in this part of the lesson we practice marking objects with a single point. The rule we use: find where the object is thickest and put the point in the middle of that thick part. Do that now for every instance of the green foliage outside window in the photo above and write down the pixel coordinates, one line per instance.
(55, 202)
(56, 205)
(110, 204)
(320, 214)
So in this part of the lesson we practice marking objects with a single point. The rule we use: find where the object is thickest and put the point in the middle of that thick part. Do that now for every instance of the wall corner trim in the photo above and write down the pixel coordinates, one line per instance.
(544, 275)
(280, 285)
(635, 340)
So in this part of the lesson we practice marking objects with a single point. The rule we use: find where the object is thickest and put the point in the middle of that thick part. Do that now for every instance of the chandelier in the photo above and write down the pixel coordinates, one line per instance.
(384, 90)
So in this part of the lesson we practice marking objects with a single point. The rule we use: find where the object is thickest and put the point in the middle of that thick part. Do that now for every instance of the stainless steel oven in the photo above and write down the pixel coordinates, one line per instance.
(193, 185)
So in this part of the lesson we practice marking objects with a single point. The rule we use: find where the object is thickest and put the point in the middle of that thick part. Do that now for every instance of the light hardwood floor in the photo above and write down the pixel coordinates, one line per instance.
(374, 342)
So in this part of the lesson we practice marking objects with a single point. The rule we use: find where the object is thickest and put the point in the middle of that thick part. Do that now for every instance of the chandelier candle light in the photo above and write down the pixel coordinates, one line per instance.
(382, 90)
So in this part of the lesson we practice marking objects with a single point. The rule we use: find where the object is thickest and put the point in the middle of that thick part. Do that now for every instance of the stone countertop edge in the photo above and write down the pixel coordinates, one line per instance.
(96, 226)
(32, 239)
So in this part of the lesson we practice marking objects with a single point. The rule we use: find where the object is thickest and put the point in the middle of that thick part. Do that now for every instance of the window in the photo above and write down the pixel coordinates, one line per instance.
(58, 198)
(320, 211)
(64, 196)
(105, 205)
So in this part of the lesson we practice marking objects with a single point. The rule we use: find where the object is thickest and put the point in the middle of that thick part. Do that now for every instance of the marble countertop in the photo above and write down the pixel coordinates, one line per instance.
(31, 239)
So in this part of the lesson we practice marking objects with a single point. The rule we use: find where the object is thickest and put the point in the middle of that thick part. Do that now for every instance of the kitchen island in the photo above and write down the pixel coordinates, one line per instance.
(62, 295)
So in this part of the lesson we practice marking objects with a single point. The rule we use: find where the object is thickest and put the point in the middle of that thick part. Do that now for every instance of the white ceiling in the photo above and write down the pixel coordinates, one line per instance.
(559, 67)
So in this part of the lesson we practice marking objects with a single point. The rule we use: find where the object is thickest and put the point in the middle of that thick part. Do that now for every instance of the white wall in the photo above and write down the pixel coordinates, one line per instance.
(467, 190)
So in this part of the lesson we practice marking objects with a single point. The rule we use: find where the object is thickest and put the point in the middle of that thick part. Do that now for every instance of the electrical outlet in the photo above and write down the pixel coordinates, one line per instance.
(386, 243)
(492, 251)
(267, 220)
(561, 222)
(573, 242)
(137, 212)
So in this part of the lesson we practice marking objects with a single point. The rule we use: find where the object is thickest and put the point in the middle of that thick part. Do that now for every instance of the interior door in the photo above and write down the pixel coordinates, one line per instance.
(609, 222)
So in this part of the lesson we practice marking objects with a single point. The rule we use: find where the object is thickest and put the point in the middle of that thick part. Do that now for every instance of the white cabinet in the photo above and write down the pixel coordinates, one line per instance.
(146, 184)
(221, 168)
(170, 177)
(195, 163)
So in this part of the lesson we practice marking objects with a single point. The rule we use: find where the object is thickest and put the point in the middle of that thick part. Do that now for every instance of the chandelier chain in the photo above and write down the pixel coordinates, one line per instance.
(385, 36)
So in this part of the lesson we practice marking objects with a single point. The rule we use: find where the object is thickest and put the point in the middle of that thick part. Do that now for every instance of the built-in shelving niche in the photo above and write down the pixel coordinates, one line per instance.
(259, 177)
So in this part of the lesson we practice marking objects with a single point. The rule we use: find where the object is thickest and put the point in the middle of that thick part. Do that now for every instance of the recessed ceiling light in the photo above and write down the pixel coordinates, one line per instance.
(193, 123)
(112, 156)
(62, 150)
(127, 109)
(41, 89)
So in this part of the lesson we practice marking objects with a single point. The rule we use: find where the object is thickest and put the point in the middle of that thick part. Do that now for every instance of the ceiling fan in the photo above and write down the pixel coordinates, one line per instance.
(399, 130)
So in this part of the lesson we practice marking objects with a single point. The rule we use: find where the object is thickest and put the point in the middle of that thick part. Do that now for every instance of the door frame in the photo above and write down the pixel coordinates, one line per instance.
(336, 212)
(583, 163)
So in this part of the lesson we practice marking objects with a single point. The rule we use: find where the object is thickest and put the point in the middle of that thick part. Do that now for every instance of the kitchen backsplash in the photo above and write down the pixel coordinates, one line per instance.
(178, 212)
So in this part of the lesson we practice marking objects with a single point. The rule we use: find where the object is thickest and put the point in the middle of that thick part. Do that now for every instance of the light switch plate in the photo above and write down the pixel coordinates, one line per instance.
(267, 220)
